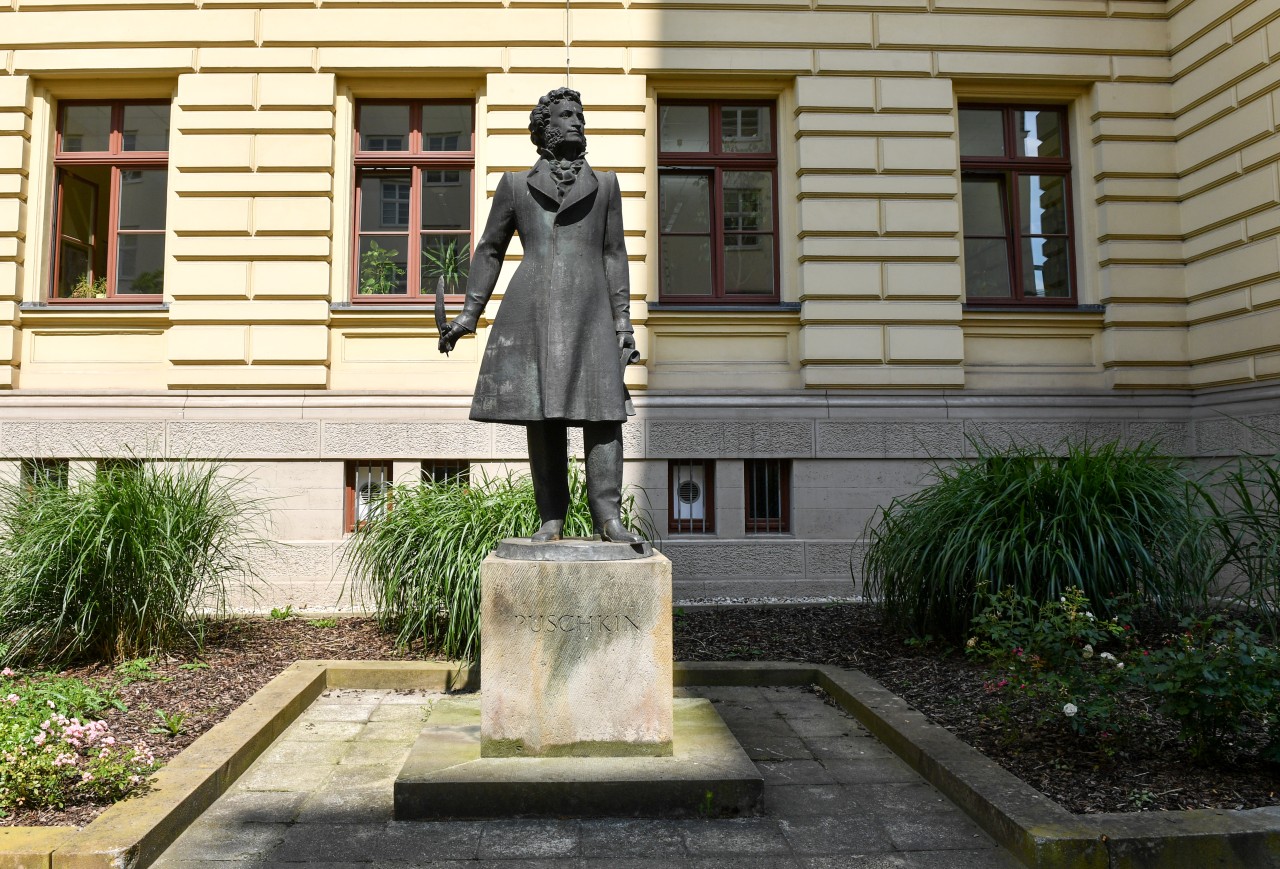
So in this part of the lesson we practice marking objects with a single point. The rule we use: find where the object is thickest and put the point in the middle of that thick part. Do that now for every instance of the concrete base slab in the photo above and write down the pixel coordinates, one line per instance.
(445, 777)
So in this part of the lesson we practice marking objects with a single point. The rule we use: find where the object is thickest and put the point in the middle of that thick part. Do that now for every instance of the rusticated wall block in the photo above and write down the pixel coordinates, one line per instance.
(838, 439)
(244, 438)
(412, 440)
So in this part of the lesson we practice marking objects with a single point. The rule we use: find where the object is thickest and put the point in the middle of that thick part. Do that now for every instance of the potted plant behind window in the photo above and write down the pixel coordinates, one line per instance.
(379, 273)
(447, 263)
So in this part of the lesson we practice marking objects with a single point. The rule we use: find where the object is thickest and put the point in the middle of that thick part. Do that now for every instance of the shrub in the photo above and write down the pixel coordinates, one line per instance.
(1057, 656)
(417, 559)
(55, 750)
(1114, 521)
(1214, 678)
(1246, 519)
(122, 564)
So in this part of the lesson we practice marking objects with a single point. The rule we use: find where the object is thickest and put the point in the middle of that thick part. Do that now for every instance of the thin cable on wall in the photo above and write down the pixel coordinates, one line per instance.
(567, 41)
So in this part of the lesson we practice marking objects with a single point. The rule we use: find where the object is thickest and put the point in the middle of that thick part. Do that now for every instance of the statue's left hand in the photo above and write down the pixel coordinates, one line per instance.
(626, 341)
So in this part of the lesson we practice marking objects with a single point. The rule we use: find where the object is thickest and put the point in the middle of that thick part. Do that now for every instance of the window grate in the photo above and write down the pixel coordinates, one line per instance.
(768, 493)
(440, 472)
(691, 501)
(45, 473)
(367, 484)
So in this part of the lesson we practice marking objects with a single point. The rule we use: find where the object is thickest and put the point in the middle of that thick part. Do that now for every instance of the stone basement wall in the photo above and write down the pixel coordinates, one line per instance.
(851, 455)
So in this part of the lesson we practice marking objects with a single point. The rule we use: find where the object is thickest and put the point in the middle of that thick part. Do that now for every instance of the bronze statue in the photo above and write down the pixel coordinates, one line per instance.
(563, 333)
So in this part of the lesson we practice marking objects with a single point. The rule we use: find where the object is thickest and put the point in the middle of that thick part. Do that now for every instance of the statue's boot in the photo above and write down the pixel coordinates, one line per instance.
(615, 532)
(549, 531)
(603, 443)
(549, 466)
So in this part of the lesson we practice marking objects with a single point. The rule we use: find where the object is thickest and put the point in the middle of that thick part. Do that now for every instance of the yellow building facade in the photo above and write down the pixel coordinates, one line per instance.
(991, 219)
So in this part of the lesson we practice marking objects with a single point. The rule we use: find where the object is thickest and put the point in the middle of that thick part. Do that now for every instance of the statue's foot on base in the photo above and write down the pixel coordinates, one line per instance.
(615, 532)
(549, 531)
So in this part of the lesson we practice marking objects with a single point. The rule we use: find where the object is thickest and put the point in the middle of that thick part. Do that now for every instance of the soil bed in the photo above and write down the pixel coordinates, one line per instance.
(1149, 770)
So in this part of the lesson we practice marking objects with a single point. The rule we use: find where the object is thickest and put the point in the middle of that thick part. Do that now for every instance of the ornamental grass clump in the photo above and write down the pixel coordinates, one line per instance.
(1116, 522)
(1246, 522)
(55, 749)
(121, 565)
(416, 560)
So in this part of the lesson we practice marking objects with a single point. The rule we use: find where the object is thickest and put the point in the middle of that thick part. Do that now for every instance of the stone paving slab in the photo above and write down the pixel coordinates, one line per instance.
(834, 798)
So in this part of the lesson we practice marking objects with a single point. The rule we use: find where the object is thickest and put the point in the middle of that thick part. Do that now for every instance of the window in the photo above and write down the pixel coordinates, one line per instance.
(768, 492)
(413, 199)
(441, 471)
(717, 192)
(45, 473)
(367, 482)
(111, 165)
(691, 503)
(1016, 195)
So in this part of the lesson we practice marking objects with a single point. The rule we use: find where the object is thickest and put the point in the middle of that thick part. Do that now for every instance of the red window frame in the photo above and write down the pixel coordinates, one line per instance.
(705, 525)
(1009, 169)
(715, 163)
(350, 471)
(417, 161)
(119, 161)
(766, 524)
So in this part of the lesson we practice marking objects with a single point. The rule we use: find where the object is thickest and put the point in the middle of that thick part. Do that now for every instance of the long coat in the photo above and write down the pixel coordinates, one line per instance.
(553, 348)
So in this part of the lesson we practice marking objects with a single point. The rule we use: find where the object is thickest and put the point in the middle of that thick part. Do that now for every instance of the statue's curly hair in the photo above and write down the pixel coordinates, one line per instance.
(542, 113)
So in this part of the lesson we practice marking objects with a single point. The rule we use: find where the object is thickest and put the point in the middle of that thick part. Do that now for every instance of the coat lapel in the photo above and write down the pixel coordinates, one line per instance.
(539, 178)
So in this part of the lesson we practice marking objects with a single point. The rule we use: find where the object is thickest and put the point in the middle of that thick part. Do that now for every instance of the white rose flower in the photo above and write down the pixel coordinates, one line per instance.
(1069, 710)
(1088, 650)
(1107, 656)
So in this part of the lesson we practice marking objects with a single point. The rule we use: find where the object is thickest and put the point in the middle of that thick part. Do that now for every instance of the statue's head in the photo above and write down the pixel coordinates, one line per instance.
(550, 123)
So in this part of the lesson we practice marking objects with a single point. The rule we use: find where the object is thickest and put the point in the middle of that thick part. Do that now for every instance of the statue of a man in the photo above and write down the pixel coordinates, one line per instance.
(555, 353)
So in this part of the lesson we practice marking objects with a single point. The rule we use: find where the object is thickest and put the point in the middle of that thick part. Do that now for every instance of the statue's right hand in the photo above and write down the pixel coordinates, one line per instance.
(450, 336)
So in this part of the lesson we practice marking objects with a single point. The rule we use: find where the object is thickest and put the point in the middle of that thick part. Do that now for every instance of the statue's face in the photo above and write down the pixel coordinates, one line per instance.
(565, 124)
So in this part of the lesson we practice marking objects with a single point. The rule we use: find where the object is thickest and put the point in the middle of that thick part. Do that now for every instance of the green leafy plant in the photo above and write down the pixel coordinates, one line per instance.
(1057, 656)
(416, 561)
(1212, 678)
(55, 750)
(380, 274)
(1246, 527)
(124, 564)
(324, 623)
(447, 261)
(1113, 521)
(137, 670)
(194, 665)
(171, 723)
(279, 614)
(88, 288)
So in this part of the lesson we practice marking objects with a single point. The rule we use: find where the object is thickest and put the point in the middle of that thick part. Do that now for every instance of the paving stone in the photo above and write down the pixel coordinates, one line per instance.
(752, 725)
(382, 754)
(869, 771)
(408, 713)
(414, 697)
(391, 731)
(631, 838)
(762, 747)
(795, 772)
(846, 748)
(729, 693)
(936, 831)
(342, 711)
(533, 838)
(828, 726)
(788, 801)
(254, 807)
(236, 842)
(990, 859)
(298, 777)
(890, 799)
(361, 775)
(738, 836)
(848, 834)
(348, 805)
(306, 730)
(298, 751)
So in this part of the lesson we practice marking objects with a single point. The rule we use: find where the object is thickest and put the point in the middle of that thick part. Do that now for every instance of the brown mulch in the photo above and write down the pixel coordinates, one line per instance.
(1145, 771)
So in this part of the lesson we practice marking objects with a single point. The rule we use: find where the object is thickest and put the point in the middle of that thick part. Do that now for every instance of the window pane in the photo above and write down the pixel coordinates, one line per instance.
(384, 128)
(684, 128)
(986, 268)
(79, 207)
(746, 130)
(448, 257)
(370, 486)
(686, 265)
(684, 203)
(139, 264)
(142, 198)
(446, 199)
(981, 133)
(1046, 268)
(748, 264)
(384, 261)
(748, 201)
(384, 200)
(146, 128)
(982, 199)
(1038, 134)
(86, 128)
(1042, 203)
(446, 128)
(82, 253)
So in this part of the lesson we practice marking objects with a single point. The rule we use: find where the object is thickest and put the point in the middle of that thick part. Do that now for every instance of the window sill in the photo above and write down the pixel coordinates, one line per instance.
(770, 308)
(79, 308)
(970, 308)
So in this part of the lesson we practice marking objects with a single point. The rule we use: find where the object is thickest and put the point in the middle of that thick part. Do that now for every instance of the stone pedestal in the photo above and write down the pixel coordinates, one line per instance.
(576, 658)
